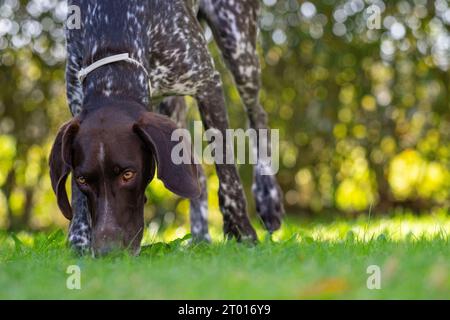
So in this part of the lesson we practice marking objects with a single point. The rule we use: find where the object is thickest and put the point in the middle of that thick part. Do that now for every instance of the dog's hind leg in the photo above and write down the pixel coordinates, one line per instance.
(234, 25)
(175, 108)
(231, 194)
(80, 226)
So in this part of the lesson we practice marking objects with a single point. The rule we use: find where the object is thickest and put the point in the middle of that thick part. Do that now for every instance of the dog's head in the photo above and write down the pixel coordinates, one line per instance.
(112, 154)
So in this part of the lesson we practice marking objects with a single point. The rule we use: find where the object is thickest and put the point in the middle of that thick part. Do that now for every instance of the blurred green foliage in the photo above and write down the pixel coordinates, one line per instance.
(363, 113)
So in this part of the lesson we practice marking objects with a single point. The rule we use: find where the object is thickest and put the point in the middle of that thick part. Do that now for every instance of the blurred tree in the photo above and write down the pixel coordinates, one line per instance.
(350, 100)
(31, 86)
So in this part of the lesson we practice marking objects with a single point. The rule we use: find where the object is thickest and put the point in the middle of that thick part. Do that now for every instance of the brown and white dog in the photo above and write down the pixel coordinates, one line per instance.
(113, 143)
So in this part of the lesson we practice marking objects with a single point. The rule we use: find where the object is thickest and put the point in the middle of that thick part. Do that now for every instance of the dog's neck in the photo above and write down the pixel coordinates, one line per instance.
(123, 107)
(110, 28)
(120, 80)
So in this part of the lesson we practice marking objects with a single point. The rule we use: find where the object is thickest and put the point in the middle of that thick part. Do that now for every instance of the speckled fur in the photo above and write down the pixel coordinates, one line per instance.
(175, 108)
(166, 37)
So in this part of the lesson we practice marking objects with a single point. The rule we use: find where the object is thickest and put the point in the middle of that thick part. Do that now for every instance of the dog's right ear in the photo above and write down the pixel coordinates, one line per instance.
(60, 163)
(156, 130)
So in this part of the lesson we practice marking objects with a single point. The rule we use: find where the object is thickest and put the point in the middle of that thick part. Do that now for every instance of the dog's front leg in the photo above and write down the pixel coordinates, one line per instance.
(199, 211)
(80, 226)
(231, 194)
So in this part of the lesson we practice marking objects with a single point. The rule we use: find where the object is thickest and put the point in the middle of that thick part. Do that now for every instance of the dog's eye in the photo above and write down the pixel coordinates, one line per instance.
(81, 180)
(128, 175)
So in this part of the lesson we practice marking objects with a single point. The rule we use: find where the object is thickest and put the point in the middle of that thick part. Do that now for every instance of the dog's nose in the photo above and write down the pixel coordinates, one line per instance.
(104, 248)
(106, 240)
(103, 251)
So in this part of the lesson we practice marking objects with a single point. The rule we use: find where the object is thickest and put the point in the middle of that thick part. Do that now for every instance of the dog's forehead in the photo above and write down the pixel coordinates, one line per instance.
(116, 140)
(107, 117)
(108, 142)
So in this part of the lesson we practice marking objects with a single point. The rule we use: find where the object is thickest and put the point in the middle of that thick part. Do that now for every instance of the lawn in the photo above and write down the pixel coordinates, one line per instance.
(305, 260)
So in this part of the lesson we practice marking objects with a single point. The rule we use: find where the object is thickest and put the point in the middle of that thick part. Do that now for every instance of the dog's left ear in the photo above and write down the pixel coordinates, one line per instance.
(156, 131)
(60, 162)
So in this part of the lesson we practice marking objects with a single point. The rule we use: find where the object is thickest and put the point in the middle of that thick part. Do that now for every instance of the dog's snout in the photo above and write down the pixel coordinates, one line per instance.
(102, 251)
(106, 240)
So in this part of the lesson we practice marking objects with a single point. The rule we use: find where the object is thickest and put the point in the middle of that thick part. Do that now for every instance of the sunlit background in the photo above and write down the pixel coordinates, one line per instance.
(363, 112)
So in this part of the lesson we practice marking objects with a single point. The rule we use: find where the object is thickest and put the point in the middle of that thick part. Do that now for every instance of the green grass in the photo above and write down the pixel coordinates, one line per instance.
(311, 260)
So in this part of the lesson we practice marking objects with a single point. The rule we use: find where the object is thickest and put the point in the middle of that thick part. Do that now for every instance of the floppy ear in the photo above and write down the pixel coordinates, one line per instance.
(156, 131)
(60, 163)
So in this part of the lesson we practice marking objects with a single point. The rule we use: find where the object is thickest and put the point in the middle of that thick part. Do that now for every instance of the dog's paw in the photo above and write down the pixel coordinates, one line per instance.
(269, 200)
(200, 239)
(236, 223)
(239, 229)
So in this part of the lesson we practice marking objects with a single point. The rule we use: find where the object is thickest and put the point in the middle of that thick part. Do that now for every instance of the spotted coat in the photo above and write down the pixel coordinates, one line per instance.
(167, 38)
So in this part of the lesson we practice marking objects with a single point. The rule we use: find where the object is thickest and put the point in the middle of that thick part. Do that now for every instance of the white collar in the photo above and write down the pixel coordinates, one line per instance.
(82, 74)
